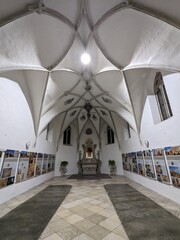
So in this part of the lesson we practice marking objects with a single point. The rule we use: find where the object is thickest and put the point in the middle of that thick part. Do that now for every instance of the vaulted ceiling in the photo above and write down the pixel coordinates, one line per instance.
(41, 43)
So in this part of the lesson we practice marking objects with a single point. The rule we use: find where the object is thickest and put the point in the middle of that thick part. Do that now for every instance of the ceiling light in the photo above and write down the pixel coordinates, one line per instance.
(85, 58)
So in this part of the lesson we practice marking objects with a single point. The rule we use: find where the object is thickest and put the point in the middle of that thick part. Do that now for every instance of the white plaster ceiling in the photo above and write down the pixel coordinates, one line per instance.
(41, 42)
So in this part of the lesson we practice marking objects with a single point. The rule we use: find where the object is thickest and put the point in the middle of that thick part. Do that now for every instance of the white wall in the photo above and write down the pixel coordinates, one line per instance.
(110, 152)
(67, 153)
(164, 133)
(16, 128)
(159, 135)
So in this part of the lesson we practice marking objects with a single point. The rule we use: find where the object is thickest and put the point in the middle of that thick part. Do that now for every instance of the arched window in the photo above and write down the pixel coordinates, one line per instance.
(67, 136)
(110, 135)
(162, 98)
(129, 130)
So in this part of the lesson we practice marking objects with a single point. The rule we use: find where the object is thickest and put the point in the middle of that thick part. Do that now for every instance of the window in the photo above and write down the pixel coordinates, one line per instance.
(67, 136)
(110, 136)
(162, 98)
(128, 130)
(49, 134)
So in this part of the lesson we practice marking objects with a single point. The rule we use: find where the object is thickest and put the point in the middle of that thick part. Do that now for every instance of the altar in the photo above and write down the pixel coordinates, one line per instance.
(89, 164)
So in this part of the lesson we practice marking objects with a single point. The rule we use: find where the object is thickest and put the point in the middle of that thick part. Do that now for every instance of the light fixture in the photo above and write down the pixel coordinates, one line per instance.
(85, 58)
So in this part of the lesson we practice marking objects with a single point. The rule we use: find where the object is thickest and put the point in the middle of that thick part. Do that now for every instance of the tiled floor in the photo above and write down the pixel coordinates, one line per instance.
(87, 212)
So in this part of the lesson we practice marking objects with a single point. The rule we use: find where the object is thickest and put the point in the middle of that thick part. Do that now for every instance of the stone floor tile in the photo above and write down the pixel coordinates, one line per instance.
(69, 233)
(76, 209)
(68, 205)
(47, 232)
(55, 218)
(83, 236)
(13, 202)
(115, 217)
(121, 232)
(95, 202)
(86, 205)
(96, 218)
(84, 225)
(5, 210)
(65, 213)
(85, 213)
(106, 213)
(53, 237)
(109, 224)
(113, 236)
(97, 232)
(96, 208)
(2, 206)
(104, 205)
(60, 224)
(74, 218)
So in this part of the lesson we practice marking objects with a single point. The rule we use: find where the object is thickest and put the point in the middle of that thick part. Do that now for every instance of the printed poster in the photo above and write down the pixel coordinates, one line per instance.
(134, 163)
(50, 157)
(39, 164)
(173, 158)
(9, 167)
(130, 162)
(53, 162)
(140, 163)
(125, 162)
(160, 165)
(45, 163)
(149, 170)
(27, 165)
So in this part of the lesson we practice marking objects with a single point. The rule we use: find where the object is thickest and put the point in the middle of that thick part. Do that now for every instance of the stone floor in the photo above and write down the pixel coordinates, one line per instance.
(87, 212)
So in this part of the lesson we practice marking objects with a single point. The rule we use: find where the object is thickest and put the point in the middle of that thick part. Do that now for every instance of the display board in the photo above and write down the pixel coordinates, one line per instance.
(9, 167)
(160, 165)
(50, 158)
(20, 166)
(53, 162)
(134, 162)
(125, 162)
(173, 159)
(27, 165)
(130, 162)
(39, 164)
(140, 163)
(45, 163)
(149, 169)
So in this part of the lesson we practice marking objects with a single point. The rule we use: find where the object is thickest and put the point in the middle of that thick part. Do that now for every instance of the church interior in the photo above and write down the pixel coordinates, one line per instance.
(89, 113)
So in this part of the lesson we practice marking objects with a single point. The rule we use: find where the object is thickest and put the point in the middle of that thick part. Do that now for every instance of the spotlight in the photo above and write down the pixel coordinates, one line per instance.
(85, 58)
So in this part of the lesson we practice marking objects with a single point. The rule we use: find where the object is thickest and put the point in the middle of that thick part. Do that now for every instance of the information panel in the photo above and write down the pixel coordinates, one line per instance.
(173, 158)
(160, 165)
(149, 170)
(140, 163)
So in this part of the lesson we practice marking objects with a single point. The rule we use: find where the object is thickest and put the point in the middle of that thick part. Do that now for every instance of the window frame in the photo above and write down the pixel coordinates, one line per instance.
(67, 136)
(162, 98)
(110, 135)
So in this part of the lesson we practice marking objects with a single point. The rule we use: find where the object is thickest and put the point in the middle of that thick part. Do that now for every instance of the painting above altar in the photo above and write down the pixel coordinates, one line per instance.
(89, 153)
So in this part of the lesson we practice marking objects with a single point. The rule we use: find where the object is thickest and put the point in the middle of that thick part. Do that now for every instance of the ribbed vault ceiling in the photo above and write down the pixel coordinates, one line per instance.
(41, 43)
